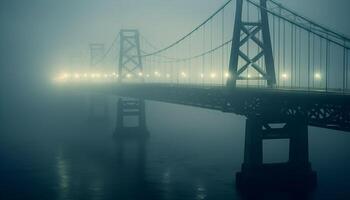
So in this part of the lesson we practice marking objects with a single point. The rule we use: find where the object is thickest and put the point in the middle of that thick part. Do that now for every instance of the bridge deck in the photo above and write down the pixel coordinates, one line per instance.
(323, 109)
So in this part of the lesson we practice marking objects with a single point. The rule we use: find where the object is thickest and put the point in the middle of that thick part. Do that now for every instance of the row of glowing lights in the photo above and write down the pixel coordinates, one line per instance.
(66, 76)
(213, 75)
(284, 76)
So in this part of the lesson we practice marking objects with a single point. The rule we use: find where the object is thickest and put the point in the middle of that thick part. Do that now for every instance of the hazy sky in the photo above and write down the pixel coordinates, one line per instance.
(36, 35)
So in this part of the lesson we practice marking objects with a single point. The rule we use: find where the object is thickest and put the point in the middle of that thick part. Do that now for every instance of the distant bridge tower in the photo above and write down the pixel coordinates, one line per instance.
(98, 103)
(130, 69)
(97, 51)
(250, 30)
(130, 62)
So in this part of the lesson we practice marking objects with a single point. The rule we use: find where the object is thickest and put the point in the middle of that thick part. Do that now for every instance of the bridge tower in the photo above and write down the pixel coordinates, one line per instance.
(130, 69)
(97, 51)
(294, 175)
(98, 103)
(250, 30)
(130, 62)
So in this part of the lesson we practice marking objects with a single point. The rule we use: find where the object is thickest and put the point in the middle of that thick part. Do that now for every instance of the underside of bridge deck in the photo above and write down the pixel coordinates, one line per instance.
(326, 110)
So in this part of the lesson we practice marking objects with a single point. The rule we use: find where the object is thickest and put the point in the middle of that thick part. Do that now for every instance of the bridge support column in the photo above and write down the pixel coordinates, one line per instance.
(135, 110)
(296, 174)
(98, 107)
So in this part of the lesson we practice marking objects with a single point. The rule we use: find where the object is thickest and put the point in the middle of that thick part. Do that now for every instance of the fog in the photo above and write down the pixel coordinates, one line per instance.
(39, 38)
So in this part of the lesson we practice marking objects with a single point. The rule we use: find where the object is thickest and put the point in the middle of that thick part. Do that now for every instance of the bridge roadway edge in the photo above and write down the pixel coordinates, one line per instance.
(329, 110)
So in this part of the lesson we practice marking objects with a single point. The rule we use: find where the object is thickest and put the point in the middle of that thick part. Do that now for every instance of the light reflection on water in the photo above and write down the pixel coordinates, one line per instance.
(63, 176)
(200, 192)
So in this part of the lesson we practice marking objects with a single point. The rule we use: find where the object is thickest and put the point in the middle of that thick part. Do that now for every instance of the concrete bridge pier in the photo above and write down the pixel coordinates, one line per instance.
(98, 107)
(294, 175)
(131, 118)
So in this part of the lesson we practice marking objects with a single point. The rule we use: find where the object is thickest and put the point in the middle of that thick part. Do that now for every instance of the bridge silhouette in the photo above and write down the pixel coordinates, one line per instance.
(281, 70)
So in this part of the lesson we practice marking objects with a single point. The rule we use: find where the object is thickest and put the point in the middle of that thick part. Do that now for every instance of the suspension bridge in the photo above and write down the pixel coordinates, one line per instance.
(254, 58)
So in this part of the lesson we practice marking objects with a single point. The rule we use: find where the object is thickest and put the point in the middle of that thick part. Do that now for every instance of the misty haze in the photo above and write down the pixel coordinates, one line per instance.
(174, 100)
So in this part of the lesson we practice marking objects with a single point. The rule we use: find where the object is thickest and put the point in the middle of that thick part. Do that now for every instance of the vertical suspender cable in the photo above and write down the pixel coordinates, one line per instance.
(344, 68)
(284, 50)
(203, 64)
(292, 55)
(211, 47)
(313, 61)
(299, 67)
(273, 35)
(308, 62)
(222, 48)
(321, 47)
(172, 72)
(217, 58)
(295, 56)
(177, 71)
(279, 47)
(327, 63)
(150, 67)
(190, 60)
(259, 49)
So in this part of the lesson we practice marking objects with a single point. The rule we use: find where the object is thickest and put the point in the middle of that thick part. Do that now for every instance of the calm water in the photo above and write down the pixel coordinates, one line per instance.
(49, 150)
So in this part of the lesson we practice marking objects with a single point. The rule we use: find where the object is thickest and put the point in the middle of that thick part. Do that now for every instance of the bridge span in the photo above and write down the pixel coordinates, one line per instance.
(329, 110)
(279, 69)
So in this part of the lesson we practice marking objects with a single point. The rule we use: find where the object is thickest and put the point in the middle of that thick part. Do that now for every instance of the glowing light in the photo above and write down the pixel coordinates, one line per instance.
(65, 75)
(212, 75)
(61, 77)
(183, 74)
(85, 75)
(318, 76)
(284, 76)
(249, 76)
(156, 73)
(128, 76)
(93, 75)
(202, 75)
(140, 74)
(168, 75)
(227, 75)
(77, 76)
(260, 75)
